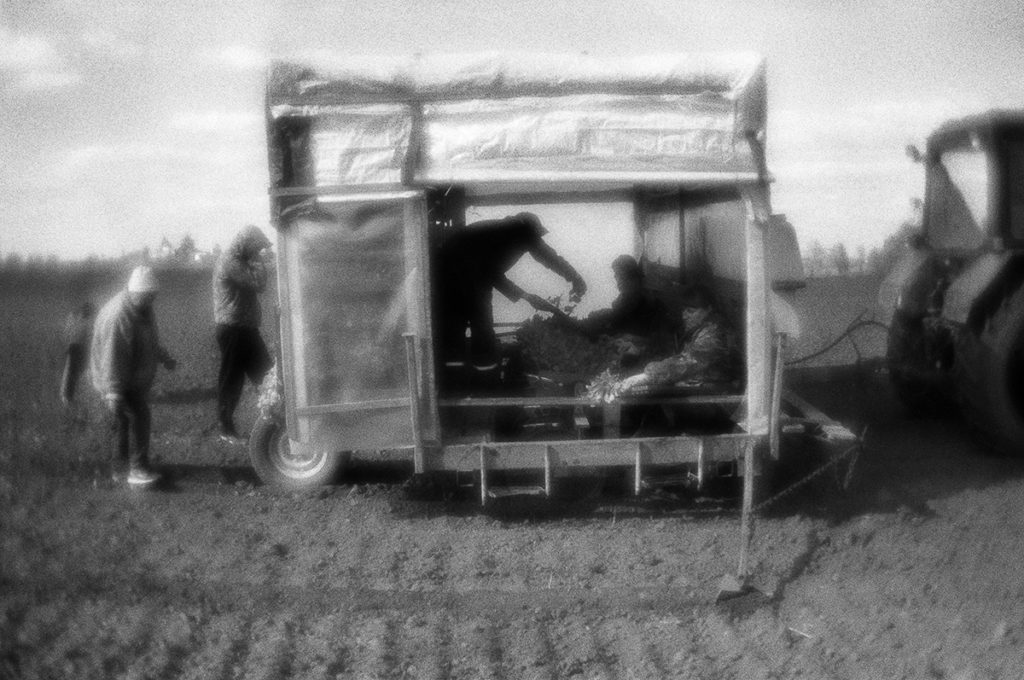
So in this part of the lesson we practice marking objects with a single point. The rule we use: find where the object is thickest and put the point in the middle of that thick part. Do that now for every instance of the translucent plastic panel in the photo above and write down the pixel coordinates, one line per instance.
(349, 291)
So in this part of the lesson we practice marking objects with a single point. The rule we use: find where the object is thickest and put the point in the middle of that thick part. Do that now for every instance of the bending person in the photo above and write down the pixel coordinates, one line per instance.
(472, 263)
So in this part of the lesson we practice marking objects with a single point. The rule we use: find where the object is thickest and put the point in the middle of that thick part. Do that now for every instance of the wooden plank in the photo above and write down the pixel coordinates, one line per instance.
(478, 402)
(325, 409)
(595, 452)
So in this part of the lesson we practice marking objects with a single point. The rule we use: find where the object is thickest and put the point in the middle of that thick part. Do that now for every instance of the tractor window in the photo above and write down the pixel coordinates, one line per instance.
(958, 187)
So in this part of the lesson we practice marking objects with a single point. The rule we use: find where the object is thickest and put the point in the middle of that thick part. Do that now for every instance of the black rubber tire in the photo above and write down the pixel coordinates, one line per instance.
(270, 455)
(989, 373)
(906, 347)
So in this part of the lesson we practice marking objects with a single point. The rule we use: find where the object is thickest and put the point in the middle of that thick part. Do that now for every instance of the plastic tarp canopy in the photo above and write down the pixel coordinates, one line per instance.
(514, 118)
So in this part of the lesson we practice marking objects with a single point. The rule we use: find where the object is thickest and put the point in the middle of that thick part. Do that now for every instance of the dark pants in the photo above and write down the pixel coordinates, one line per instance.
(242, 353)
(74, 366)
(131, 417)
(468, 306)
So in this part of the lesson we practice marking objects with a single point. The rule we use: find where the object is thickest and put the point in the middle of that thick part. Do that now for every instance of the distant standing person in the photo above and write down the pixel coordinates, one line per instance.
(77, 330)
(124, 356)
(239, 277)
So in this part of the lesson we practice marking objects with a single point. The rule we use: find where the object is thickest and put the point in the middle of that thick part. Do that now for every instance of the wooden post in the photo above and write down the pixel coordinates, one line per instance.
(483, 474)
(548, 476)
(419, 462)
(774, 431)
(638, 478)
(747, 518)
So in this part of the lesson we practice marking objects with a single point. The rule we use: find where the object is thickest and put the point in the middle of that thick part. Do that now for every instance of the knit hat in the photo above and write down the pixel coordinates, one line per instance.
(143, 280)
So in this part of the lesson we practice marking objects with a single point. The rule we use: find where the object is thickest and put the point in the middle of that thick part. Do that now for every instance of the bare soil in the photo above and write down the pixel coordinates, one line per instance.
(910, 571)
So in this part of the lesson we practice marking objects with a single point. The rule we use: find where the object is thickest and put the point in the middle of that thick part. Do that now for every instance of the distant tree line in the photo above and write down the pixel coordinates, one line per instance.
(186, 255)
(836, 260)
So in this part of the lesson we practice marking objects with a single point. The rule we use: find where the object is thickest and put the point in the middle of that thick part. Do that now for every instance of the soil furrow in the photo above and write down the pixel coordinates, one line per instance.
(215, 647)
(271, 649)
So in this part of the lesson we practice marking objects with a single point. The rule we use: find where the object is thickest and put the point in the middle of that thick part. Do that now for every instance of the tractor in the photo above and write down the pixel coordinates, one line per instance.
(955, 300)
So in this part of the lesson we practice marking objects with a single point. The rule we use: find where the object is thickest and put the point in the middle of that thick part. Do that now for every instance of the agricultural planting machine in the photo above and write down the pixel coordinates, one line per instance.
(374, 161)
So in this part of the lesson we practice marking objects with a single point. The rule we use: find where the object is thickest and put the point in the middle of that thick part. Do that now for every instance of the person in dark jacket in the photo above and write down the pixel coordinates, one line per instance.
(239, 276)
(123, 360)
(472, 263)
(635, 311)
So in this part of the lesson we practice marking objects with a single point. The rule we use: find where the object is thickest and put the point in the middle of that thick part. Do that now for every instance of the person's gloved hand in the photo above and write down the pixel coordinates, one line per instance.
(579, 287)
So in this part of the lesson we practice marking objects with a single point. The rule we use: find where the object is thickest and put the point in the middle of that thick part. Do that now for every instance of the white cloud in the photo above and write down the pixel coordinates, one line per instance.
(33, 62)
(236, 57)
(217, 121)
(833, 170)
(884, 126)
(110, 43)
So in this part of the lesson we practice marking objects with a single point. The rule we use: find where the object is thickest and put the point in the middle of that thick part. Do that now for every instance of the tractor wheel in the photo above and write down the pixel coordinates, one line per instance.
(905, 351)
(989, 372)
(275, 463)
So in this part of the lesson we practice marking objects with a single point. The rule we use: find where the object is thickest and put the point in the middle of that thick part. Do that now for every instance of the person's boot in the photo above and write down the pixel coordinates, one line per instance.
(140, 474)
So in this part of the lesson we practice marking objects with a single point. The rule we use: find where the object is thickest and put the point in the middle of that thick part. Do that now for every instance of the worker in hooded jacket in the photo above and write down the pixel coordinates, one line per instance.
(125, 352)
(239, 277)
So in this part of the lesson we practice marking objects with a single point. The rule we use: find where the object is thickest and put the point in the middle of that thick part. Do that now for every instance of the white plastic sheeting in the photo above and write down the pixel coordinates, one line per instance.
(508, 117)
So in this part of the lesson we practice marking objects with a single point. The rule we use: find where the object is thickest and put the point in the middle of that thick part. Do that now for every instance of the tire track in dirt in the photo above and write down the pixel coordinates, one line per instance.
(318, 652)
(237, 649)
(529, 653)
(576, 650)
(422, 647)
(634, 654)
(271, 651)
(222, 635)
(371, 648)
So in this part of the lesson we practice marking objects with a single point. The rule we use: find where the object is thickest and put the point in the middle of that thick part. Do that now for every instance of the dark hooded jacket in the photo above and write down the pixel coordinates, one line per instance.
(238, 278)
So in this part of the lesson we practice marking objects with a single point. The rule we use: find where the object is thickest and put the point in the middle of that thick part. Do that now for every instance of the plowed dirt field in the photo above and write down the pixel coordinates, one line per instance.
(912, 571)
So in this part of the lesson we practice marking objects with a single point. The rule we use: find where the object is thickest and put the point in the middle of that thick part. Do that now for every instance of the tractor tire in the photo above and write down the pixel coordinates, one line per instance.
(905, 350)
(270, 454)
(989, 373)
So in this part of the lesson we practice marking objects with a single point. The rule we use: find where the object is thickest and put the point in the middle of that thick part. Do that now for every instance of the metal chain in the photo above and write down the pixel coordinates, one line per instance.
(852, 451)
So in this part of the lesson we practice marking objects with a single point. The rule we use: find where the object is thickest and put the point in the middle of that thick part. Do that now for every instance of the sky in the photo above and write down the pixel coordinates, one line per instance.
(123, 121)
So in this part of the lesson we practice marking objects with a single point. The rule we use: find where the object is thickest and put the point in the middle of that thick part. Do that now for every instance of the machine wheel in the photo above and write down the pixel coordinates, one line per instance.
(989, 371)
(272, 457)
(905, 350)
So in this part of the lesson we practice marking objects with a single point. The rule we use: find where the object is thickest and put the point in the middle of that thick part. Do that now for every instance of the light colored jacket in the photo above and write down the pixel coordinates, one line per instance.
(125, 348)
(238, 278)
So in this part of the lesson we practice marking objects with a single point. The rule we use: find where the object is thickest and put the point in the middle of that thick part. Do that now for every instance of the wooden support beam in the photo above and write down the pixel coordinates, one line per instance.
(483, 474)
(638, 478)
(774, 426)
(548, 472)
(419, 462)
(700, 466)
(747, 518)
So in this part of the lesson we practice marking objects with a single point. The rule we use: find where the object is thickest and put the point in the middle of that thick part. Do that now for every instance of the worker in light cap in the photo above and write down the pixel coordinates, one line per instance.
(124, 356)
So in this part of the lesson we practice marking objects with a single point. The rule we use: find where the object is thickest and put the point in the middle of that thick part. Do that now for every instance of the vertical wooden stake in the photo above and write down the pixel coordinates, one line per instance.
(747, 519)
(483, 475)
(700, 464)
(638, 472)
(547, 471)
(418, 457)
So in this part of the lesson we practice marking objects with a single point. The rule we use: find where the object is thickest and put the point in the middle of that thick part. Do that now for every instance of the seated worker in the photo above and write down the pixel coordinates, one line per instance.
(709, 352)
(637, 319)
(471, 264)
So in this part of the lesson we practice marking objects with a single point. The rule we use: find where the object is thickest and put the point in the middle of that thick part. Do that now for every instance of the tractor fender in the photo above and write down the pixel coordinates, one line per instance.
(905, 288)
(971, 285)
